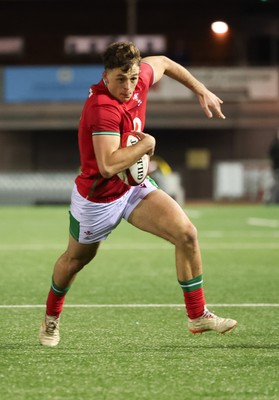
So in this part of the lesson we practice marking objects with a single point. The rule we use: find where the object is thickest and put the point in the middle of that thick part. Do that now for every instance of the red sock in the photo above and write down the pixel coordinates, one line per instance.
(54, 304)
(195, 303)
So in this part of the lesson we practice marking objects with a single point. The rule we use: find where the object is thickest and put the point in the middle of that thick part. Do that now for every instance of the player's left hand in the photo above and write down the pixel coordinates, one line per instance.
(209, 101)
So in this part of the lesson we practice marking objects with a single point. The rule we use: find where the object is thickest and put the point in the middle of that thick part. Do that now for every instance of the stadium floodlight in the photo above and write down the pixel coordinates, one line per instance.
(219, 27)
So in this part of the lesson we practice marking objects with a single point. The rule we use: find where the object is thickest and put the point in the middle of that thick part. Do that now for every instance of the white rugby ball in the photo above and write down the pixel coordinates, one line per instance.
(137, 173)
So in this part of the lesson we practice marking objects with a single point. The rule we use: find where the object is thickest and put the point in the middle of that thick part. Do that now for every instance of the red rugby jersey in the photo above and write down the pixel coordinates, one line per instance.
(103, 113)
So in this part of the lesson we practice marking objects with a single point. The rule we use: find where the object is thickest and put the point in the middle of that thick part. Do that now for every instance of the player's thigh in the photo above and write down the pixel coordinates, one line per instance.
(160, 215)
(83, 252)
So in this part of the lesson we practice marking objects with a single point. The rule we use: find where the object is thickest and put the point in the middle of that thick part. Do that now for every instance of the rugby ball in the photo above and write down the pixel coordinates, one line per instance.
(136, 174)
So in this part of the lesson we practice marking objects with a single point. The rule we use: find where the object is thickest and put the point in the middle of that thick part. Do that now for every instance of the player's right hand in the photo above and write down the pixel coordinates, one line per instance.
(148, 140)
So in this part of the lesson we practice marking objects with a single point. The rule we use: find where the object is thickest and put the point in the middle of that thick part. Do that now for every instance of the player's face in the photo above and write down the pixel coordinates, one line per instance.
(122, 84)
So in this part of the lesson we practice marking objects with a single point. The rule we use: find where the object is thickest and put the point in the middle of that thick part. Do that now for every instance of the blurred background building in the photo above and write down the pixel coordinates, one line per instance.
(50, 55)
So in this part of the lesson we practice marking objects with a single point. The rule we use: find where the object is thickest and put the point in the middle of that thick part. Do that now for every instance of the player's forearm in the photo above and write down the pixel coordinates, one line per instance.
(182, 75)
(122, 158)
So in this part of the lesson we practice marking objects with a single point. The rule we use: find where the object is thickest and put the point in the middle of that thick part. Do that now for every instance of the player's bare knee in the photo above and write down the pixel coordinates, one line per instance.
(76, 264)
(188, 236)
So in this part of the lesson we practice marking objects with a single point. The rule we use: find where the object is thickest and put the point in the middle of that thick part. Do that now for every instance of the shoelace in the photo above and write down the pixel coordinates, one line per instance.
(51, 326)
(207, 314)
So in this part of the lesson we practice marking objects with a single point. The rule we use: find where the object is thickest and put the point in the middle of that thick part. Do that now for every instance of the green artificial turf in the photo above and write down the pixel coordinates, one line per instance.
(123, 329)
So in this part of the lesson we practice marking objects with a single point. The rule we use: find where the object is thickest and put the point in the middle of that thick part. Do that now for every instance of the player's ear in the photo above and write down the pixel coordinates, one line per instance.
(105, 78)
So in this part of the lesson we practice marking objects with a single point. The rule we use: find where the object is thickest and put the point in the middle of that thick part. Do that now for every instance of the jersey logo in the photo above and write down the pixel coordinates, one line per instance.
(136, 98)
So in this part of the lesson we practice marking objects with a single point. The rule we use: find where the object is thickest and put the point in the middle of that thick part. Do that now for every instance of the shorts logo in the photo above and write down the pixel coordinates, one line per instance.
(88, 234)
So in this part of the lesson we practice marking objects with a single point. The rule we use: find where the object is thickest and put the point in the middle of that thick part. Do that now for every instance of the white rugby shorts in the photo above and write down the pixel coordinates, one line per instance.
(92, 222)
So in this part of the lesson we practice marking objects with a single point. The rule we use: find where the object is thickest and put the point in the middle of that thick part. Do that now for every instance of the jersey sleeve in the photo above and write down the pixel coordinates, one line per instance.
(105, 118)
(147, 73)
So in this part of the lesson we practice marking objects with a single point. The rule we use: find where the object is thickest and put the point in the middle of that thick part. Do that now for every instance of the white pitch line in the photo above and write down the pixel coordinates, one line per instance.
(269, 223)
(146, 246)
(244, 305)
(116, 246)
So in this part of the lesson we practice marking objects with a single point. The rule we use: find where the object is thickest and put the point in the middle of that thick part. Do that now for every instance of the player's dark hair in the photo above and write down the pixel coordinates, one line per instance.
(121, 55)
